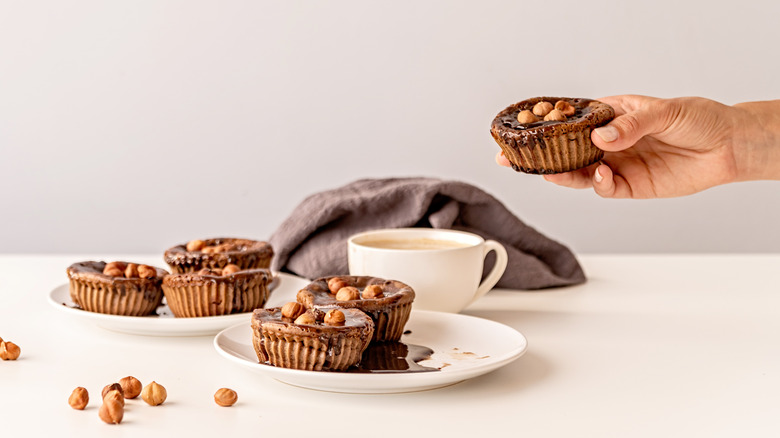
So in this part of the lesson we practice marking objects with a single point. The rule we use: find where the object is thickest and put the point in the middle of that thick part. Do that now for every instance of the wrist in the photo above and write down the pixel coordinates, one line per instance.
(756, 142)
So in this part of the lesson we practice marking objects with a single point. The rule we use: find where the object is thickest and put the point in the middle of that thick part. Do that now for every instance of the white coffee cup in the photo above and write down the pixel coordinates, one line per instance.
(444, 267)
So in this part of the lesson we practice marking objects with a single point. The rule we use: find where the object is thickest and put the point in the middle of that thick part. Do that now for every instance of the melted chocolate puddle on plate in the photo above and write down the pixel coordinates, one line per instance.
(393, 357)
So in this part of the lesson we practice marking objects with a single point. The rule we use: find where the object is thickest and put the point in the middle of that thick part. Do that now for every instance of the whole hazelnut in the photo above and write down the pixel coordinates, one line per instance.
(348, 293)
(79, 398)
(307, 318)
(113, 271)
(334, 317)
(336, 283)
(565, 107)
(208, 249)
(131, 271)
(542, 108)
(111, 411)
(119, 265)
(225, 247)
(195, 245)
(112, 387)
(292, 310)
(115, 394)
(526, 116)
(145, 271)
(225, 397)
(555, 115)
(9, 350)
(154, 394)
(131, 387)
(230, 269)
(373, 291)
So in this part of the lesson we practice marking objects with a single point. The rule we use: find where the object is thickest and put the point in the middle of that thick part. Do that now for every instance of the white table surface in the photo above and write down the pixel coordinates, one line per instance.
(652, 345)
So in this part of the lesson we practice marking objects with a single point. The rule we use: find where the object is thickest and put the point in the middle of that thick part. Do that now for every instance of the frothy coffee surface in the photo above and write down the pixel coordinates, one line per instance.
(412, 244)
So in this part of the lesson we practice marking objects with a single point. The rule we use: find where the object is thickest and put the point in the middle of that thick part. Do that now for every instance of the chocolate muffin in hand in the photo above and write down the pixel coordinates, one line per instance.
(550, 134)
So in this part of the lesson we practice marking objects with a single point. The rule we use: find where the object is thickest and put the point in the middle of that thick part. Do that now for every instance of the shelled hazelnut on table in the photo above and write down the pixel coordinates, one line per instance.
(225, 397)
(9, 350)
(112, 387)
(131, 387)
(79, 398)
(154, 394)
(112, 410)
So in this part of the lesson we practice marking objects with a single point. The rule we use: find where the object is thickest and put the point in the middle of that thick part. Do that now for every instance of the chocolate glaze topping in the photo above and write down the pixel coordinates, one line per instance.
(587, 112)
(317, 294)
(93, 271)
(240, 248)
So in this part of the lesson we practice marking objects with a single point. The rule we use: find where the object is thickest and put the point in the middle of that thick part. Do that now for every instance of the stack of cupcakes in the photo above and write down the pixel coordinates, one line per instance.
(332, 322)
(209, 277)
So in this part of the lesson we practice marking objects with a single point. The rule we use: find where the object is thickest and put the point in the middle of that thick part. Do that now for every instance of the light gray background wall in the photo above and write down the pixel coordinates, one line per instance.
(130, 126)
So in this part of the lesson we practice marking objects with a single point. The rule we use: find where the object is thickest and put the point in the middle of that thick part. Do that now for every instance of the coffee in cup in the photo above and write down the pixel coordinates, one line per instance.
(444, 267)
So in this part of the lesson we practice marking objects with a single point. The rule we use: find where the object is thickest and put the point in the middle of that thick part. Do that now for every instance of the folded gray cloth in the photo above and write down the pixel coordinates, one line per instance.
(312, 241)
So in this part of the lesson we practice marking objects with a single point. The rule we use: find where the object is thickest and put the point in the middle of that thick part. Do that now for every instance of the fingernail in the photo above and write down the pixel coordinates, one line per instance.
(597, 176)
(607, 133)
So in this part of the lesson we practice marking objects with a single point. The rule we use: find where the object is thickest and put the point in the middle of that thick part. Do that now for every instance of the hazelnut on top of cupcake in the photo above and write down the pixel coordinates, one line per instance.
(117, 288)
(328, 339)
(550, 134)
(218, 253)
(387, 302)
(217, 291)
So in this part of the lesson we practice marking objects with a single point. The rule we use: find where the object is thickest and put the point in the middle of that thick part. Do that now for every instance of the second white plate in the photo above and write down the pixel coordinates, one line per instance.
(464, 347)
(165, 324)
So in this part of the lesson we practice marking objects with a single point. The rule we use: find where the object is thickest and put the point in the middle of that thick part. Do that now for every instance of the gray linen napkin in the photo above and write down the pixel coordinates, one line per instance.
(312, 241)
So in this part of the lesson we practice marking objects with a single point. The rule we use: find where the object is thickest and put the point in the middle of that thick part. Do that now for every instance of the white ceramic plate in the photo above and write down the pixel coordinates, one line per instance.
(464, 347)
(283, 289)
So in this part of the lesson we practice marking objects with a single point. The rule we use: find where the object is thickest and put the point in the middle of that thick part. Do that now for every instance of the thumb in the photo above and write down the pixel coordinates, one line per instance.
(624, 131)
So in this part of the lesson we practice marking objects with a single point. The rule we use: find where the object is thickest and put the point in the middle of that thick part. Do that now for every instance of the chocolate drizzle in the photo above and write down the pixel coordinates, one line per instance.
(393, 357)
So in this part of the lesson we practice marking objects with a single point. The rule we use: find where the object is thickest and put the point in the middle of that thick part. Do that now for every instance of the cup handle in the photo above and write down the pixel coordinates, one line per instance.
(498, 268)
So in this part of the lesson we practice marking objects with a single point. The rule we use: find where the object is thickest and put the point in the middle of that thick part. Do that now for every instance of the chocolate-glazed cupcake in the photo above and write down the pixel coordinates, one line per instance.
(314, 340)
(215, 292)
(116, 288)
(387, 302)
(218, 253)
(550, 134)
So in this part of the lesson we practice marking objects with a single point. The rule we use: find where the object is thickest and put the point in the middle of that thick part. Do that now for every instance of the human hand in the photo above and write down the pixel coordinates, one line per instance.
(657, 148)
